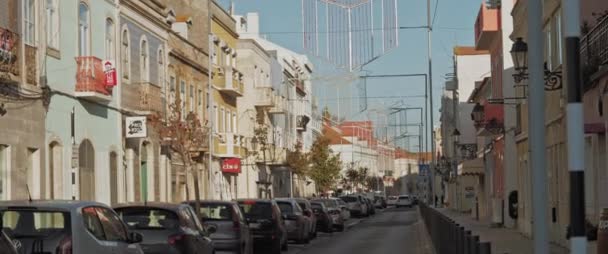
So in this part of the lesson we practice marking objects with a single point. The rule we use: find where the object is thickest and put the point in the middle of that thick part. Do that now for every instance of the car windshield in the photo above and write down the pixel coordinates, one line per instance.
(286, 208)
(349, 199)
(392, 198)
(256, 210)
(219, 212)
(148, 218)
(35, 224)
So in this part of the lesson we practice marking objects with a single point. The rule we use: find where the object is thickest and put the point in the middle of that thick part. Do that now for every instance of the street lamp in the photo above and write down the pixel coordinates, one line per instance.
(519, 53)
(456, 135)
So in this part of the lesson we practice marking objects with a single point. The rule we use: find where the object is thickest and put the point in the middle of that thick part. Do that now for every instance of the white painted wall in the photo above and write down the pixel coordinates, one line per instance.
(469, 69)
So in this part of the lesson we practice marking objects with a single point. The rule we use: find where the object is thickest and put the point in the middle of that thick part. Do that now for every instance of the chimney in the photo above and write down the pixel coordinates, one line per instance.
(253, 24)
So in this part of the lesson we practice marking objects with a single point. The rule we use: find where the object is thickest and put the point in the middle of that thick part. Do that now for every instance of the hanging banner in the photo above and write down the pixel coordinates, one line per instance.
(109, 70)
(135, 127)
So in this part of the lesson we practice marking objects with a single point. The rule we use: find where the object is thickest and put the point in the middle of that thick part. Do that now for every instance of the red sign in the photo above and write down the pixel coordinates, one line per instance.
(110, 71)
(231, 165)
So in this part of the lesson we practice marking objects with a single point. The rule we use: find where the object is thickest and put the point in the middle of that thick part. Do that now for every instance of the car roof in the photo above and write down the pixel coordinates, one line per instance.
(221, 202)
(65, 205)
(159, 205)
(255, 200)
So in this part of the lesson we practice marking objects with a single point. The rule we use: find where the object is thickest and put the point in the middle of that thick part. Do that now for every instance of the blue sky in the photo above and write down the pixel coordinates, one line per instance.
(281, 21)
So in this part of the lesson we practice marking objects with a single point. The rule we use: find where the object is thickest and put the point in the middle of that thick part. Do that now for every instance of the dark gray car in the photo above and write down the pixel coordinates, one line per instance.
(66, 227)
(167, 228)
(297, 224)
(232, 232)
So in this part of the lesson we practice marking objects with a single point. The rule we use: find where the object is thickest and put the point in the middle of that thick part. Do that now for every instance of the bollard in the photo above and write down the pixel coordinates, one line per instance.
(467, 242)
(485, 248)
(475, 244)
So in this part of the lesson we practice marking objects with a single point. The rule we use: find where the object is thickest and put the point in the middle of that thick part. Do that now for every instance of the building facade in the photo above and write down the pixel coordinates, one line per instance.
(23, 105)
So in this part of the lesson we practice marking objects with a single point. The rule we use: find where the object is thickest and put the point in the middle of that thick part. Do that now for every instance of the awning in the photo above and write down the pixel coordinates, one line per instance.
(471, 167)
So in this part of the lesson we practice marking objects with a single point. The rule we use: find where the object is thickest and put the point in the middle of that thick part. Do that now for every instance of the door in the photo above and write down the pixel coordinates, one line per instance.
(86, 172)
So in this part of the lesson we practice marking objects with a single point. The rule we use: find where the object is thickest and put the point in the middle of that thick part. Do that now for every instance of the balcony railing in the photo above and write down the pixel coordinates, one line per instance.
(486, 26)
(229, 145)
(90, 79)
(9, 52)
(265, 97)
(594, 50)
(280, 106)
(229, 80)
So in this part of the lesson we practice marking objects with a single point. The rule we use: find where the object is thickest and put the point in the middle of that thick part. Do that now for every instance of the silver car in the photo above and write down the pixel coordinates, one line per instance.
(66, 227)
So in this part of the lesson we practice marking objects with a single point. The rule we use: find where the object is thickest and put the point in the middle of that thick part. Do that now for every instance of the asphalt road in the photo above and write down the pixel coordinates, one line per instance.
(390, 231)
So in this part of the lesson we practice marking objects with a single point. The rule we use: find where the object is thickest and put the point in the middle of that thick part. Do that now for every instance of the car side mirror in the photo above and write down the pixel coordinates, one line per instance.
(211, 229)
(135, 237)
(307, 213)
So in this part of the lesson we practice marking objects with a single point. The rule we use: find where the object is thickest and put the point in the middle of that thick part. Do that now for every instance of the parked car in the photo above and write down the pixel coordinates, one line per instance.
(297, 224)
(404, 200)
(6, 244)
(392, 200)
(232, 232)
(266, 223)
(66, 227)
(380, 202)
(344, 208)
(307, 208)
(324, 221)
(337, 221)
(167, 228)
(370, 206)
(356, 205)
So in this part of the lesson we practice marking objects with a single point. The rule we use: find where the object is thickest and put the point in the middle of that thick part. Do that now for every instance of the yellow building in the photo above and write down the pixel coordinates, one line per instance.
(227, 84)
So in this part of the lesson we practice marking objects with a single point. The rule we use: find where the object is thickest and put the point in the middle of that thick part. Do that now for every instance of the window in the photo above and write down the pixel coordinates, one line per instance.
(111, 225)
(92, 223)
(234, 123)
(228, 121)
(221, 120)
(144, 70)
(161, 68)
(125, 54)
(558, 37)
(172, 90)
(182, 98)
(109, 39)
(148, 218)
(216, 115)
(191, 98)
(29, 22)
(52, 24)
(4, 159)
(188, 220)
(83, 30)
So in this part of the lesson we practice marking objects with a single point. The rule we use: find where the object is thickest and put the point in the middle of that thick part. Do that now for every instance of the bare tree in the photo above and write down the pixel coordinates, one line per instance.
(184, 135)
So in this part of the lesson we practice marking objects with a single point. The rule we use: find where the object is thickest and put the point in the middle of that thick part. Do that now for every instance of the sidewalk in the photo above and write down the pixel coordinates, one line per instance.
(504, 240)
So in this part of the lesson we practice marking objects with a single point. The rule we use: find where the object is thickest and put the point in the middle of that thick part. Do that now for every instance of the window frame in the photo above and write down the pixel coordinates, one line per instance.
(4, 171)
(160, 60)
(84, 31)
(29, 22)
(144, 59)
(109, 39)
(125, 52)
(53, 25)
(120, 225)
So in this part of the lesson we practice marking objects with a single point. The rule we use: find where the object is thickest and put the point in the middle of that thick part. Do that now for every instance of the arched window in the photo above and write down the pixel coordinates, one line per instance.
(86, 164)
(161, 69)
(125, 53)
(83, 30)
(109, 39)
(144, 70)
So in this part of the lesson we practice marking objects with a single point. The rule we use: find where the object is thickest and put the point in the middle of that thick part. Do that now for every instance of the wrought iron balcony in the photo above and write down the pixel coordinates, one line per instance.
(90, 80)
(9, 53)
(594, 50)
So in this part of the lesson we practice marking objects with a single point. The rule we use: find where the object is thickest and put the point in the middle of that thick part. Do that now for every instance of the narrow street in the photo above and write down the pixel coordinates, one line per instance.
(394, 230)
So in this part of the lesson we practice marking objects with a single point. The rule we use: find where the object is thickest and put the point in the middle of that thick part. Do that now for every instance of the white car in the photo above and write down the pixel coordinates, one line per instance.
(392, 200)
(404, 200)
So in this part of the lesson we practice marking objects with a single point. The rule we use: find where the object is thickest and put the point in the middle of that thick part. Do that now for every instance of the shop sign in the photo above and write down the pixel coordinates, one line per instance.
(231, 165)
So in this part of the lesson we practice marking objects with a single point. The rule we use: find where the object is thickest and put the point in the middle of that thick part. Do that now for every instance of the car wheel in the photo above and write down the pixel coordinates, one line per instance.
(341, 228)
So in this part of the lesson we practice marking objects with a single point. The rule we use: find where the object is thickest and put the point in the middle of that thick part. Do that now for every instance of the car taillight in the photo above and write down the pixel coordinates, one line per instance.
(65, 246)
(175, 238)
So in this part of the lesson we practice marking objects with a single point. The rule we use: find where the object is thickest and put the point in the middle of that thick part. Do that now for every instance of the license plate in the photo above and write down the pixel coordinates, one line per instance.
(254, 225)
